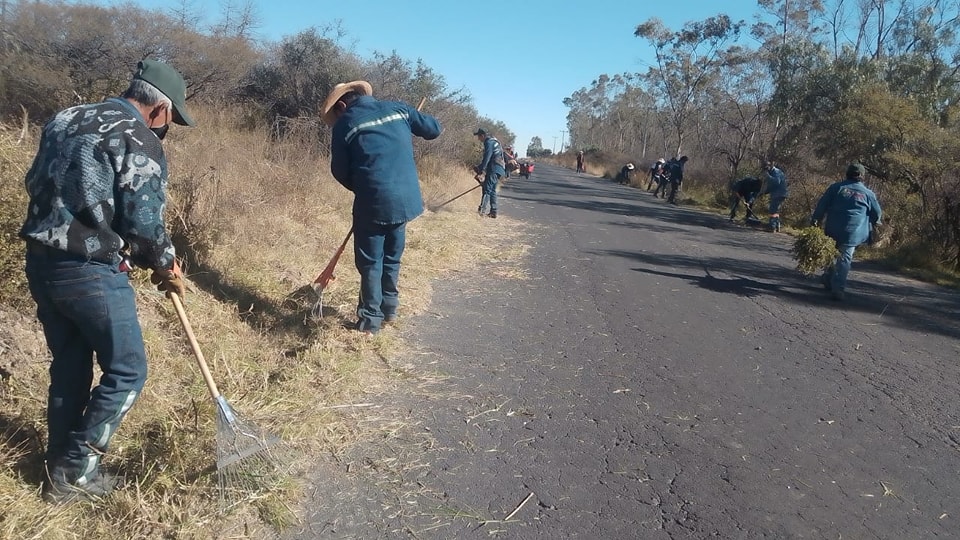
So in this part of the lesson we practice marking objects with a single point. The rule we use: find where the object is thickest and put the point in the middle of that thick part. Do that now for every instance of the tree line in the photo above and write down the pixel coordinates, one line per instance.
(812, 85)
(55, 53)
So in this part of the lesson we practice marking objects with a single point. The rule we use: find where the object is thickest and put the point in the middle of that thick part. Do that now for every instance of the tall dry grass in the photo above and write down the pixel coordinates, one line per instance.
(256, 220)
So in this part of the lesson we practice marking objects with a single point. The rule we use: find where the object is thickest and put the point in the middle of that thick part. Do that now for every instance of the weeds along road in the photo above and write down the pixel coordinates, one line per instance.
(660, 374)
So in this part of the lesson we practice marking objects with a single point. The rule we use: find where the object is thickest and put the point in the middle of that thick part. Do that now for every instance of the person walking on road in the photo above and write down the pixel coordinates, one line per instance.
(97, 190)
(776, 188)
(850, 209)
(746, 190)
(580, 163)
(675, 175)
(491, 169)
(371, 154)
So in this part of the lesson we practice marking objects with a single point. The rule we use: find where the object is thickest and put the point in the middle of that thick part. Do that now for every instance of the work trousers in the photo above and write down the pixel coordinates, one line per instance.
(377, 250)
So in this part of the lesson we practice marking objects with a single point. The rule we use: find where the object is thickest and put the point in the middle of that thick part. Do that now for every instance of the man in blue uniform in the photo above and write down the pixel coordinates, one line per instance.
(371, 154)
(491, 168)
(850, 209)
(776, 188)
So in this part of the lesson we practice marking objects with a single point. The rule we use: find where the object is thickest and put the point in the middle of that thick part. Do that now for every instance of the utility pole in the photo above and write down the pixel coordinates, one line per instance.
(563, 138)
(554, 145)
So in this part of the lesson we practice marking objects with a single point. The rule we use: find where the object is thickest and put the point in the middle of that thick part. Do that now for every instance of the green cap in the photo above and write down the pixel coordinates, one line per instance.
(169, 82)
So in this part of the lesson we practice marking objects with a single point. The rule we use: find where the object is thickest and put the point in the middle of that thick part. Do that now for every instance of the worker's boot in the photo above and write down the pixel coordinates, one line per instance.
(66, 482)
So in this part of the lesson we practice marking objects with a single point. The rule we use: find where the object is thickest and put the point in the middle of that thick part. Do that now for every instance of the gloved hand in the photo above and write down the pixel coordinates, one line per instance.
(169, 280)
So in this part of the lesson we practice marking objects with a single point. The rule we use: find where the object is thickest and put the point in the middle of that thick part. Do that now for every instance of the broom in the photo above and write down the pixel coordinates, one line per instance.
(247, 457)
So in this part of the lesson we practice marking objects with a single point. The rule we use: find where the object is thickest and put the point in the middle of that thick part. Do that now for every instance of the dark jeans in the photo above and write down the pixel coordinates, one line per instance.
(86, 307)
(735, 200)
(490, 192)
(674, 188)
(661, 187)
(377, 250)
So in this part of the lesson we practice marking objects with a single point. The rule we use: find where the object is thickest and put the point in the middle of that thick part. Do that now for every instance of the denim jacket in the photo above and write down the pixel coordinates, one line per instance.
(850, 208)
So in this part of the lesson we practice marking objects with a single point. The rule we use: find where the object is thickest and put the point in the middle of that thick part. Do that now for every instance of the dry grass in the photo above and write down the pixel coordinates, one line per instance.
(258, 220)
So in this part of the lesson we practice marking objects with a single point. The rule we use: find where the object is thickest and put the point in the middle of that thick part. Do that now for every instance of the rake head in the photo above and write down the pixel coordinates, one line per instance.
(250, 462)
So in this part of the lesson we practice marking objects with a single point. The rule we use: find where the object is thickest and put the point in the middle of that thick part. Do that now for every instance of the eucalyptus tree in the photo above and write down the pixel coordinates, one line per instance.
(688, 63)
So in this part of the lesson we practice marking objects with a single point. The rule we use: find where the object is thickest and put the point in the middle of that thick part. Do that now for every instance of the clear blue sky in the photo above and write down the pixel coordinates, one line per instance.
(518, 59)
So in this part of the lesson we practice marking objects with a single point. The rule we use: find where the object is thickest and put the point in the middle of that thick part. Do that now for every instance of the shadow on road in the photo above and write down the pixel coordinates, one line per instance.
(912, 305)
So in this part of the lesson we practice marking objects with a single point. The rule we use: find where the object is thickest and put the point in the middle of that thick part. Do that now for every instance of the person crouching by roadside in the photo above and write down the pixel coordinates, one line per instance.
(491, 169)
(746, 190)
(626, 174)
(97, 191)
(371, 154)
(850, 209)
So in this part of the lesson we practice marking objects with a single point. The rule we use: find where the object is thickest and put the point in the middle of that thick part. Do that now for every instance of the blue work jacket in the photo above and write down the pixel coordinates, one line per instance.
(371, 154)
(850, 208)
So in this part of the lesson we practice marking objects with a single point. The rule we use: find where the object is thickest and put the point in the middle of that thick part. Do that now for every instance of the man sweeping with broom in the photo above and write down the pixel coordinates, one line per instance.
(371, 154)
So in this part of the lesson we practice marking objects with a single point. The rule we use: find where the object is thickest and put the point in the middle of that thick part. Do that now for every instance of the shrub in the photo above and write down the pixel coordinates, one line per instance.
(813, 250)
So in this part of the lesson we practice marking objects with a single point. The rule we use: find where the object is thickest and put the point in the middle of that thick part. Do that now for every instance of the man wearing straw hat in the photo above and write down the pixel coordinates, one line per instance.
(371, 154)
(97, 195)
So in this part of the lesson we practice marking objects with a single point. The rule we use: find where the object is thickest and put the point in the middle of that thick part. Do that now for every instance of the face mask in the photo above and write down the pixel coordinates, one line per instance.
(161, 131)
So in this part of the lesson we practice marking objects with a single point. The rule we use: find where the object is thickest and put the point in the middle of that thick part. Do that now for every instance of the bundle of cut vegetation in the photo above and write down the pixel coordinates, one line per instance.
(813, 250)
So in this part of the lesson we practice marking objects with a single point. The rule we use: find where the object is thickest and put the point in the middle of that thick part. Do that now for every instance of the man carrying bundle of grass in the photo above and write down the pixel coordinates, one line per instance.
(851, 209)
(97, 187)
(371, 154)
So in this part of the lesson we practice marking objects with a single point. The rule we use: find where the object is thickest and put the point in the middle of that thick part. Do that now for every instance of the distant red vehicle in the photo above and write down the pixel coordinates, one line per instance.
(526, 169)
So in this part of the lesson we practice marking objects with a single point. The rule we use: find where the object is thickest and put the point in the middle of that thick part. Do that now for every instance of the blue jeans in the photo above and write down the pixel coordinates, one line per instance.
(86, 307)
(377, 250)
(490, 192)
(775, 204)
(836, 275)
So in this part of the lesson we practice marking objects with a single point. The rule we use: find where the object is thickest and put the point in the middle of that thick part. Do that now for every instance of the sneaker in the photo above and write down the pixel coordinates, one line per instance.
(838, 296)
(57, 490)
(390, 319)
(493, 215)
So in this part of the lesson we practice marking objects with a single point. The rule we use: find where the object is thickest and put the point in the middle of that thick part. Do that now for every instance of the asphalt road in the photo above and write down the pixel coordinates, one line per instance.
(659, 373)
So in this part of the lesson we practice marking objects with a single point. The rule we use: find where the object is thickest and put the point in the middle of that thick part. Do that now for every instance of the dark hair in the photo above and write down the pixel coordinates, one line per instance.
(684, 158)
(349, 97)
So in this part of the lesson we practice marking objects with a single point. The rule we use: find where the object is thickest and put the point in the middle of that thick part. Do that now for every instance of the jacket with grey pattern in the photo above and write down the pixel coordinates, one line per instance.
(98, 183)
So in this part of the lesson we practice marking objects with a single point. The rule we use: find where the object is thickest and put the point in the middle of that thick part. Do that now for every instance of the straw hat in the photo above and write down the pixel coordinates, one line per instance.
(326, 111)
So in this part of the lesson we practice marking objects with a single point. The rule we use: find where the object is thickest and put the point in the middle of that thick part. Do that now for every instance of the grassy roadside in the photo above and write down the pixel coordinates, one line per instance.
(257, 220)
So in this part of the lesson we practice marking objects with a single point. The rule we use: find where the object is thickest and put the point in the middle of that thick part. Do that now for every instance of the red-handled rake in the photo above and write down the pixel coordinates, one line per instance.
(248, 458)
(326, 277)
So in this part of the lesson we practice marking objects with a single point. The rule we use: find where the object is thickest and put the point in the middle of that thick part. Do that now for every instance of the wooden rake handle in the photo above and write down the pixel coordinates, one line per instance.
(182, 315)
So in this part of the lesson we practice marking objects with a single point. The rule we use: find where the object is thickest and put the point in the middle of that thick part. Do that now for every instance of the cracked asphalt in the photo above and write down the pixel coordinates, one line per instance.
(658, 373)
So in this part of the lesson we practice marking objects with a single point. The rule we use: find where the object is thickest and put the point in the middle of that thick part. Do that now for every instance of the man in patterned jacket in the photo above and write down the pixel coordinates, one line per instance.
(371, 154)
(97, 195)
